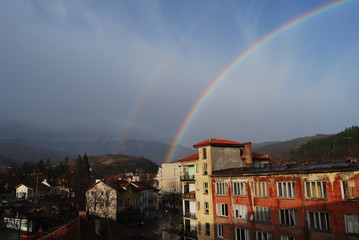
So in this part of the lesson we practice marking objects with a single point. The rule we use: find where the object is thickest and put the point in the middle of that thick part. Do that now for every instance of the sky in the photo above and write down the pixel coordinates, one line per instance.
(92, 70)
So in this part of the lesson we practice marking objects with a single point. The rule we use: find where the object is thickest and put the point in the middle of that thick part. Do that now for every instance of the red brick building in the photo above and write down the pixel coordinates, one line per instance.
(292, 202)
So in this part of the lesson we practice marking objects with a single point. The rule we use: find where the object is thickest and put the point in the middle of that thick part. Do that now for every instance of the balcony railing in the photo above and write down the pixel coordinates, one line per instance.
(187, 177)
(190, 215)
(189, 195)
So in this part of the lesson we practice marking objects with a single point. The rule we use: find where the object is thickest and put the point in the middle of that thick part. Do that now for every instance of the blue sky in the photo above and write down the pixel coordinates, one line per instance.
(76, 69)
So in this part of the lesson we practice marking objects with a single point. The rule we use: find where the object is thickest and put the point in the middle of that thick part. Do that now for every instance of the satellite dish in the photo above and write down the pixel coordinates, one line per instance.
(251, 217)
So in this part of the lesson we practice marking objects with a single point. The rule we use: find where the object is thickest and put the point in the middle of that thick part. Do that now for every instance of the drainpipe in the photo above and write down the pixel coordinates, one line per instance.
(306, 230)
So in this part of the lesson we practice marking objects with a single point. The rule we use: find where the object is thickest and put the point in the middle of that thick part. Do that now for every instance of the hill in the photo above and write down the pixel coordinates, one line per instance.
(113, 164)
(280, 151)
(5, 161)
(339, 147)
(149, 149)
(19, 153)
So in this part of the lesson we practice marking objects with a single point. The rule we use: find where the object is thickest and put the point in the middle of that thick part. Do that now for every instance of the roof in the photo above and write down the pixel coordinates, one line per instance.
(291, 169)
(40, 186)
(119, 185)
(189, 158)
(83, 227)
(218, 142)
(260, 156)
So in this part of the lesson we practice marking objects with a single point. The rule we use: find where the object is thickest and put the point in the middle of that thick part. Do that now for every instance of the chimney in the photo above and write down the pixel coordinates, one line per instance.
(247, 153)
(98, 227)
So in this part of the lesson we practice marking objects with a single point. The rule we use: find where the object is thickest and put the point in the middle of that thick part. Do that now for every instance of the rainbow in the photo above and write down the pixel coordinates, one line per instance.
(238, 60)
(162, 68)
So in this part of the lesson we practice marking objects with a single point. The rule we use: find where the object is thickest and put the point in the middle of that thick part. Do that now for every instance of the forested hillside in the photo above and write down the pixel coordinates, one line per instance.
(338, 147)
(114, 164)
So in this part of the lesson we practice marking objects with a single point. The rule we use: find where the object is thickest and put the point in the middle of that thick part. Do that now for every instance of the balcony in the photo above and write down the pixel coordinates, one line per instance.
(190, 215)
(187, 177)
(190, 195)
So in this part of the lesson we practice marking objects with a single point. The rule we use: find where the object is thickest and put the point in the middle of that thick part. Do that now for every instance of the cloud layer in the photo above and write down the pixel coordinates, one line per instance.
(77, 70)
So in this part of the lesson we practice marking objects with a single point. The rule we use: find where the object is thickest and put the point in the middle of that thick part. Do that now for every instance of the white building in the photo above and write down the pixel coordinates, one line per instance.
(28, 190)
(168, 177)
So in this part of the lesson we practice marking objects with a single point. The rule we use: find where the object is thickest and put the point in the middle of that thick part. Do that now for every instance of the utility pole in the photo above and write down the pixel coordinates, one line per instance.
(37, 182)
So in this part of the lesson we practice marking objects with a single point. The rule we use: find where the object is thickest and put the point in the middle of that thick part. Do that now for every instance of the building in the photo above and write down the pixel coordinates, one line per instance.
(315, 201)
(109, 200)
(230, 192)
(188, 180)
(168, 178)
(32, 190)
(213, 155)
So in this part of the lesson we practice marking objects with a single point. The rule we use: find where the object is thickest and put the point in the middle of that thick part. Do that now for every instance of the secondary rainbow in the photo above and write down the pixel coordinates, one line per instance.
(295, 22)
(162, 68)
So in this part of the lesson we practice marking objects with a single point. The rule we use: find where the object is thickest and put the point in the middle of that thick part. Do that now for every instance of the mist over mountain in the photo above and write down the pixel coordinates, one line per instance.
(56, 150)
(18, 153)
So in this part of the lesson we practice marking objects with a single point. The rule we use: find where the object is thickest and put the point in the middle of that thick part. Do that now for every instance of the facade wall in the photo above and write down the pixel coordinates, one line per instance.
(333, 204)
(202, 196)
(24, 192)
(169, 178)
(101, 200)
(224, 158)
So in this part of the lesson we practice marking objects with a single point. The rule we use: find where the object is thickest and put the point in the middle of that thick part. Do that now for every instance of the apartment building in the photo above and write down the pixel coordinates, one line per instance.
(316, 201)
(238, 195)
(168, 178)
(213, 154)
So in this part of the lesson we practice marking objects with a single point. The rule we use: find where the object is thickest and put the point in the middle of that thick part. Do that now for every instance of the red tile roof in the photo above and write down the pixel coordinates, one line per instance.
(218, 142)
(189, 158)
(83, 227)
(260, 156)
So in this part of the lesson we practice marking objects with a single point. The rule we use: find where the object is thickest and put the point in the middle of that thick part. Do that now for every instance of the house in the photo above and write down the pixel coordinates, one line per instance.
(110, 199)
(229, 192)
(32, 190)
(94, 228)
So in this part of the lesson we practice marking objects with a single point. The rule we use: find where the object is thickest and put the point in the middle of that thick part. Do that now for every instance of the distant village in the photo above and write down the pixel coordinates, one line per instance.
(223, 191)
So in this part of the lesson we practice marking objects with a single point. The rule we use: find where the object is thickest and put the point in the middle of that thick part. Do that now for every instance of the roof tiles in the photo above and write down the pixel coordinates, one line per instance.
(218, 142)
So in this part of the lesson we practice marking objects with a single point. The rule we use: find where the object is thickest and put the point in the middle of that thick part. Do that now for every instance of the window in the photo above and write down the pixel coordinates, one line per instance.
(240, 211)
(207, 229)
(262, 214)
(288, 217)
(286, 238)
(242, 234)
(319, 220)
(286, 189)
(220, 230)
(197, 186)
(204, 153)
(197, 169)
(351, 223)
(222, 209)
(198, 205)
(315, 190)
(204, 168)
(348, 190)
(260, 189)
(206, 208)
(199, 226)
(263, 236)
(205, 187)
(239, 189)
(221, 188)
